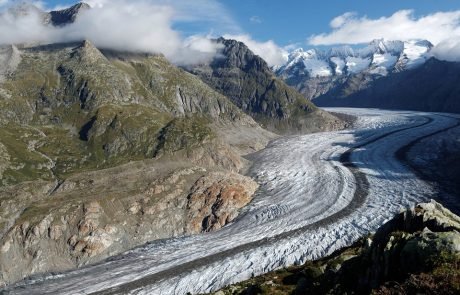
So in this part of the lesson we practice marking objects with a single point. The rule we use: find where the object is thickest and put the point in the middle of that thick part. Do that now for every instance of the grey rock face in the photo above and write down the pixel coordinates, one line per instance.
(10, 58)
(417, 252)
(68, 15)
(433, 87)
(411, 242)
(248, 81)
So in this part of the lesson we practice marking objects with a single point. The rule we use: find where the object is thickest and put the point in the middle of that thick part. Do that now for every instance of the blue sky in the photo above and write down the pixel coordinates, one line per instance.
(182, 29)
(293, 21)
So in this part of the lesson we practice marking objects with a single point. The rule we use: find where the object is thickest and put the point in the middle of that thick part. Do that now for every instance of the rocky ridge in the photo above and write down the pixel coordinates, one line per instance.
(432, 87)
(90, 217)
(417, 252)
(248, 81)
(68, 15)
(315, 72)
(64, 94)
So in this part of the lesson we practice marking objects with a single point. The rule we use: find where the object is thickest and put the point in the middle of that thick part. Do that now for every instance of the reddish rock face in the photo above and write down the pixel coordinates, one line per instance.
(216, 199)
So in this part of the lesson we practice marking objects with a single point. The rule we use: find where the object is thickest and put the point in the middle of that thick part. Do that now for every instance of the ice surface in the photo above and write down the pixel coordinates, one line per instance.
(339, 65)
(416, 53)
(357, 64)
(383, 63)
(317, 68)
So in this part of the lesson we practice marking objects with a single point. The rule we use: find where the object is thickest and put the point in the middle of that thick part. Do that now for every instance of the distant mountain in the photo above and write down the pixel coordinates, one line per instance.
(383, 74)
(68, 15)
(315, 72)
(248, 81)
(433, 86)
(56, 17)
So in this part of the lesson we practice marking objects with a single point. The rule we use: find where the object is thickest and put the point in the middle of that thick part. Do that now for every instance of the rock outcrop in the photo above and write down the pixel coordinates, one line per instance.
(67, 16)
(92, 216)
(215, 200)
(417, 252)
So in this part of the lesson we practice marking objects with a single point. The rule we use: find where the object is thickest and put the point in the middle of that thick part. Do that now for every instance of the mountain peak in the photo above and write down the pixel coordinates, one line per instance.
(86, 44)
(87, 52)
(69, 15)
(383, 46)
(240, 56)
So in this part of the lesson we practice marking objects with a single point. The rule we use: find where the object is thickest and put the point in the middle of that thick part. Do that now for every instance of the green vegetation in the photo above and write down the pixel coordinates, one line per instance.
(24, 163)
(345, 272)
(77, 109)
(185, 133)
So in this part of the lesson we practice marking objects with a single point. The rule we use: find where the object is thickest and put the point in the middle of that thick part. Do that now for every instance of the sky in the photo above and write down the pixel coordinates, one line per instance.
(270, 28)
(290, 22)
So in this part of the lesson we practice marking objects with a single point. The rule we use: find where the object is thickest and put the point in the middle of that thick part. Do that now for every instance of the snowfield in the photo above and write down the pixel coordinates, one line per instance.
(318, 193)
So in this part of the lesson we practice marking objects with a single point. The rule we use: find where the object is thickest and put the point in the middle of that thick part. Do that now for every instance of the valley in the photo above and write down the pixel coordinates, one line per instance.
(317, 193)
(177, 147)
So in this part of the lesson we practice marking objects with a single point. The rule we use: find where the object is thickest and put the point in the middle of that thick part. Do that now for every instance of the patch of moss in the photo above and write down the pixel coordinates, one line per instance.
(185, 133)
(25, 164)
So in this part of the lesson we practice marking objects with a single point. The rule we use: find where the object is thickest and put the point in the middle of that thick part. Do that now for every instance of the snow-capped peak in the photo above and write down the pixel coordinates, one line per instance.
(382, 46)
(379, 57)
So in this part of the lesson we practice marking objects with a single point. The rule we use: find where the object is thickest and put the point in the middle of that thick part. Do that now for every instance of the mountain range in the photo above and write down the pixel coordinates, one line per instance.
(382, 74)
(315, 72)
(103, 150)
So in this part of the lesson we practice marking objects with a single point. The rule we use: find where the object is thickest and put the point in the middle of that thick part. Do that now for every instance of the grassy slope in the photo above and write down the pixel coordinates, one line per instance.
(88, 110)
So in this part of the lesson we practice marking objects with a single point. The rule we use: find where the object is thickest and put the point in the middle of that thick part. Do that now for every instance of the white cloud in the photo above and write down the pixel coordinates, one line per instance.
(402, 25)
(122, 25)
(342, 19)
(269, 51)
(448, 50)
(197, 49)
(20, 28)
(209, 11)
(144, 26)
(96, 3)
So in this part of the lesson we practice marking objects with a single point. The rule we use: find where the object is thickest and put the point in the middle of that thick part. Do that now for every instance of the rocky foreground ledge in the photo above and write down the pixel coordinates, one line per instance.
(417, 252)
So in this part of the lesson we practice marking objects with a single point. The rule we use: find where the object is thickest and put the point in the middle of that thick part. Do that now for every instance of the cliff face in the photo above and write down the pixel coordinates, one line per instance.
(248, 81)
(91, 216)
(68, 15)
(417, 252)
(103, 151)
